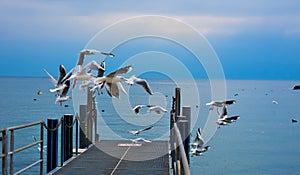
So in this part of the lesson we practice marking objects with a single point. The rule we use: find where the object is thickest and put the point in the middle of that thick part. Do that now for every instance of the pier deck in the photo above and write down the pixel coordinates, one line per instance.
(120, 157)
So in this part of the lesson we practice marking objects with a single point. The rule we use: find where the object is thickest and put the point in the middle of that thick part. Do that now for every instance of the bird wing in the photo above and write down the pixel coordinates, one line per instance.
(102, 70)
(199, 138)
(62, 74)
(112, 89)
(145, 129)
(123, 70)
(85, 52)
(93, 65)
(144, 84)
(66, 89)
(233, 117)
(133, 132)
(107, 54)
(52, 79)
(120, 87)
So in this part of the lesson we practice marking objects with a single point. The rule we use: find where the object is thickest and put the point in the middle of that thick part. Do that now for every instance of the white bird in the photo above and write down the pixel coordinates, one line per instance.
(112, 81)
(220, 103)
(63, 96)
(199, 151)
(275, 102)
(133, 79)
(157, 109)
(224, 112)
(39, 147)
(137, 108)
(231, 119)
(141, 140)
(57, 83)
(198, 141)
(137, 132)
(78, 72)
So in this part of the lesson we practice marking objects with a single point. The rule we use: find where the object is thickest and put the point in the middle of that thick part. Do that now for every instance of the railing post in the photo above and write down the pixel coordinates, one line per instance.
(83, 140)
(12, 147)
(4, 151)
(68, 133)
(186, 111)
(52, 145)
(177, 113)
(42, 149)
(76, 133)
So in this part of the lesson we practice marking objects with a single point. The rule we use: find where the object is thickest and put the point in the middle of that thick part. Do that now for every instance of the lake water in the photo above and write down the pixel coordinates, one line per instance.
(262, 141)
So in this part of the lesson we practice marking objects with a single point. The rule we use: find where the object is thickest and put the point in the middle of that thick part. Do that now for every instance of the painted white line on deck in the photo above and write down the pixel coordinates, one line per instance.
(120, 160)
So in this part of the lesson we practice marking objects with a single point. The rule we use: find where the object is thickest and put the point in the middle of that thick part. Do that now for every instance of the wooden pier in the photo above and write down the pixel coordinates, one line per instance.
(105, 156)
(120, 157)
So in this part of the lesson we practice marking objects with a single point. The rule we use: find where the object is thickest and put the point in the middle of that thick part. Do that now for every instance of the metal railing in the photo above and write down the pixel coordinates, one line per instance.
(179, 136)
(8, 136)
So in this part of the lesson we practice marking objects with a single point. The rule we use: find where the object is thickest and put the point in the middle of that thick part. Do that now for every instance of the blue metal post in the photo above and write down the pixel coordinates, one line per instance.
(52, 145)
(68, 136)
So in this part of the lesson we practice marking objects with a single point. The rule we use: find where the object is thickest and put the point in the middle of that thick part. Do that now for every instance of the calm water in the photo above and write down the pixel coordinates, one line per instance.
(263, 141)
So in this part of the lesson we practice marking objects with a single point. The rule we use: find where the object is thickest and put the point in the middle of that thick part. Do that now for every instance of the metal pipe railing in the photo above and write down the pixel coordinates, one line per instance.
(12, 150)
(183, 157)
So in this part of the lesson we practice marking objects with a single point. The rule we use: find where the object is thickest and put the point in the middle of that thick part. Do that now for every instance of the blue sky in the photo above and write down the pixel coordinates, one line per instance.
(258, 39)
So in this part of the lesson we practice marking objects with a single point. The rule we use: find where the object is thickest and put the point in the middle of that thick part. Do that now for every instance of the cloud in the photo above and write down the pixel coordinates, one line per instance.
(56, 19)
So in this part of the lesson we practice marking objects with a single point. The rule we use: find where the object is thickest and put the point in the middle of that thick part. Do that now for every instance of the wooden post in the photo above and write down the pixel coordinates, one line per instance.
(186, 111)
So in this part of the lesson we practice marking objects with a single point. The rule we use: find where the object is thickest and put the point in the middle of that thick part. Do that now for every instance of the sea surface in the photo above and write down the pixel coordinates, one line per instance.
(262, 141)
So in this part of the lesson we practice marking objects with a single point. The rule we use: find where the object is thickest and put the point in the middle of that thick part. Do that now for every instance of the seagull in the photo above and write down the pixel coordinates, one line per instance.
(107, 54)
(294, 121)
(199, 151)
(63, 96)
(275, 102)
(133, 79)
(141, 140)
(157, 109)
(39, 148)
(77, 72)
(59, 82)
(198, 140)
(137, 132)
(137, 108)
(231, 119)
(224, 112)
(296, 87)
(221, 103)
(112, 81)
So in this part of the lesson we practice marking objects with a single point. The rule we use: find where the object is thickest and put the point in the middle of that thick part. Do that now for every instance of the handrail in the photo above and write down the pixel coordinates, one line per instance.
(5, 153)
(184, 160)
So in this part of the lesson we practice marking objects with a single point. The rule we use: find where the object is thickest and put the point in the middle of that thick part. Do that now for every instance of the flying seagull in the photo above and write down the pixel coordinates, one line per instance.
(112, 81)
(198, 140)
(157, 109)
(137, 108)
(141, 140)
(78, 72)
(39, 147)
(296, 87)
(221, 103)
(137, 132)
(199, 151)
(142, 82)
(63, 96)
(59, 82)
